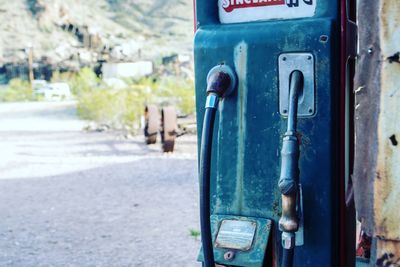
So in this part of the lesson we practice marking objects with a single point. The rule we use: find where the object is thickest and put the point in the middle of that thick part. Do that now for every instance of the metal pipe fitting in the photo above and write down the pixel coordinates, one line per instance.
(212, 101)
(221, 80)
(289, 221)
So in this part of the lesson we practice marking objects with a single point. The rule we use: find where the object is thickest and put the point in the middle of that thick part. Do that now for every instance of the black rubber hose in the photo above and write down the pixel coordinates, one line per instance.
(296, 85)
(205, 169)
(287, 257)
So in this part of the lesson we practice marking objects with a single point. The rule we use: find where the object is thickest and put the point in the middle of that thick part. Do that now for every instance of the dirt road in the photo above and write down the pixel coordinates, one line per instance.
(75, 198)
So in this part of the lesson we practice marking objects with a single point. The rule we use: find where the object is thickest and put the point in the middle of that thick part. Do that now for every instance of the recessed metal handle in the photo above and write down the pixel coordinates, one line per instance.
(303, 62)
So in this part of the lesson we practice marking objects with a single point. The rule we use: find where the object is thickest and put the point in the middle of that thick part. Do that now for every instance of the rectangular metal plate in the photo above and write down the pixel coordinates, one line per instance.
(254, 257)
(288, 63)
(235, 234)
(234, 11)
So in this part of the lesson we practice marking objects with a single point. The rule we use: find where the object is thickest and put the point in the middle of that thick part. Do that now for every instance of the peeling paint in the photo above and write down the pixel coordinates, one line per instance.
(240, 59)
(359, 89)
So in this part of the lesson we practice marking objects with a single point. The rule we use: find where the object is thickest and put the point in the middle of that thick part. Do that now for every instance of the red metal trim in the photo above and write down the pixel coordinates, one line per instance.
(194, 16)
(230, 7)
(347, 12)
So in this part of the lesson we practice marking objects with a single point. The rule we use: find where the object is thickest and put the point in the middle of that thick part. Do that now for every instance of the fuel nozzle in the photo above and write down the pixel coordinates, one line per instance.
(289, 177)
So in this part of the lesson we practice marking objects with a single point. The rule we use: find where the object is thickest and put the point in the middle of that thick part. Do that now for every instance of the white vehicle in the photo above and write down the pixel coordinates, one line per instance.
(55, 91)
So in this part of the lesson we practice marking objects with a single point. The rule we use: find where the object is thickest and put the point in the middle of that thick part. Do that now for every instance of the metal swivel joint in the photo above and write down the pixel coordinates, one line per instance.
(221, 81)
(289, 177)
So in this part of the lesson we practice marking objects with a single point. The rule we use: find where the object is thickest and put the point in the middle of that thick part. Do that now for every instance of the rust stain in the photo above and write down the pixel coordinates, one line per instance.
(388, 255)
(394, 58)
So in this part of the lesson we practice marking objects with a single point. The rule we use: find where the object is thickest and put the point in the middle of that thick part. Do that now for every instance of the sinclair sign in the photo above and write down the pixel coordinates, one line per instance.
(233, 11)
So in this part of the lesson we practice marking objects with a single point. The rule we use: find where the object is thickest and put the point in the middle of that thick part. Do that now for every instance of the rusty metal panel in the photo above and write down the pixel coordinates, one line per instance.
(387, 182)
(377, 158)
(152, 124)
(169, 128)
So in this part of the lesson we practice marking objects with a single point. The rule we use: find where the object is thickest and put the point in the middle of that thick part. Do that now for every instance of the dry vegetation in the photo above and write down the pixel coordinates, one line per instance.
(123, 107)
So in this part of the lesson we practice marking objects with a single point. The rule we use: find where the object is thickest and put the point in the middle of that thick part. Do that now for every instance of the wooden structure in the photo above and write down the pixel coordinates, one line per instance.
(377, 109)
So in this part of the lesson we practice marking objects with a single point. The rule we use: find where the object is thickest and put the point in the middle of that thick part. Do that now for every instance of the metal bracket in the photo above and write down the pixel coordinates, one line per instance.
(299, 240)
(288, 63)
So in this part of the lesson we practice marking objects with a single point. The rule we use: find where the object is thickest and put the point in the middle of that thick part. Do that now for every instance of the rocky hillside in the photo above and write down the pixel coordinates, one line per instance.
(90, 30)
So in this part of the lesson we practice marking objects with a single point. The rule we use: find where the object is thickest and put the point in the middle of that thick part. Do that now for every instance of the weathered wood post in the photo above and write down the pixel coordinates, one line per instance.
(377, 125)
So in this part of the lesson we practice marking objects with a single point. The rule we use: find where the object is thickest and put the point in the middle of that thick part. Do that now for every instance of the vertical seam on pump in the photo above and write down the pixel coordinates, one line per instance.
(240, 58)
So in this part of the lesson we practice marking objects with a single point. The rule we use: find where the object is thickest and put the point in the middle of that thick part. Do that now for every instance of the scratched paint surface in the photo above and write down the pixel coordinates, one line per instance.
(240, 61)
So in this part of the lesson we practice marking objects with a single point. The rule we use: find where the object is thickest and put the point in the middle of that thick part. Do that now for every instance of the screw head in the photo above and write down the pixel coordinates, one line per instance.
(323, 38)
(284, 58)
(230, 255)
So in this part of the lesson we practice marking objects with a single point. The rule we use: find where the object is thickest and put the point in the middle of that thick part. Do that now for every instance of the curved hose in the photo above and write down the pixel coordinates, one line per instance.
(204, 169)
(221, 81)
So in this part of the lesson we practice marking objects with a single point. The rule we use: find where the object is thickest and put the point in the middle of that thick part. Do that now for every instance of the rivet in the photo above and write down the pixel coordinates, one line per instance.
(323, 38)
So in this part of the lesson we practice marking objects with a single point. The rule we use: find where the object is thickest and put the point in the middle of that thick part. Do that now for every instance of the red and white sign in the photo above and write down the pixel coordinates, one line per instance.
(233, 11)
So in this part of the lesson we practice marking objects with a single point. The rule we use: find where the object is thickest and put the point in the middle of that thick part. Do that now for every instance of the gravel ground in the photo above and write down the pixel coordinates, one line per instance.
(75, 198)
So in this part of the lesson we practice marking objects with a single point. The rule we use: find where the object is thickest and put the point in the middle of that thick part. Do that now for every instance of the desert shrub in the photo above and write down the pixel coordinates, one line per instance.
(17, 90)
(80, 82)
(117, 108)
(124, 106)
(179, 92)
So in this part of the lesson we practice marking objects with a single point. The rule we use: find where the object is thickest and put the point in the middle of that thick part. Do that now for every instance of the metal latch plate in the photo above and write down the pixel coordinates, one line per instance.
(255, 255)
(304, 62)
(236, 234)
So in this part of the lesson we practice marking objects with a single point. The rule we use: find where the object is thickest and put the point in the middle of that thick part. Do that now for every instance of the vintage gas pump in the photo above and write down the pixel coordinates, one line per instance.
(269, 107)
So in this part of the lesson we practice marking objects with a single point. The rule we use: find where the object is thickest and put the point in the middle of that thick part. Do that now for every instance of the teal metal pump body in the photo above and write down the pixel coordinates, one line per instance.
(249, 127)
